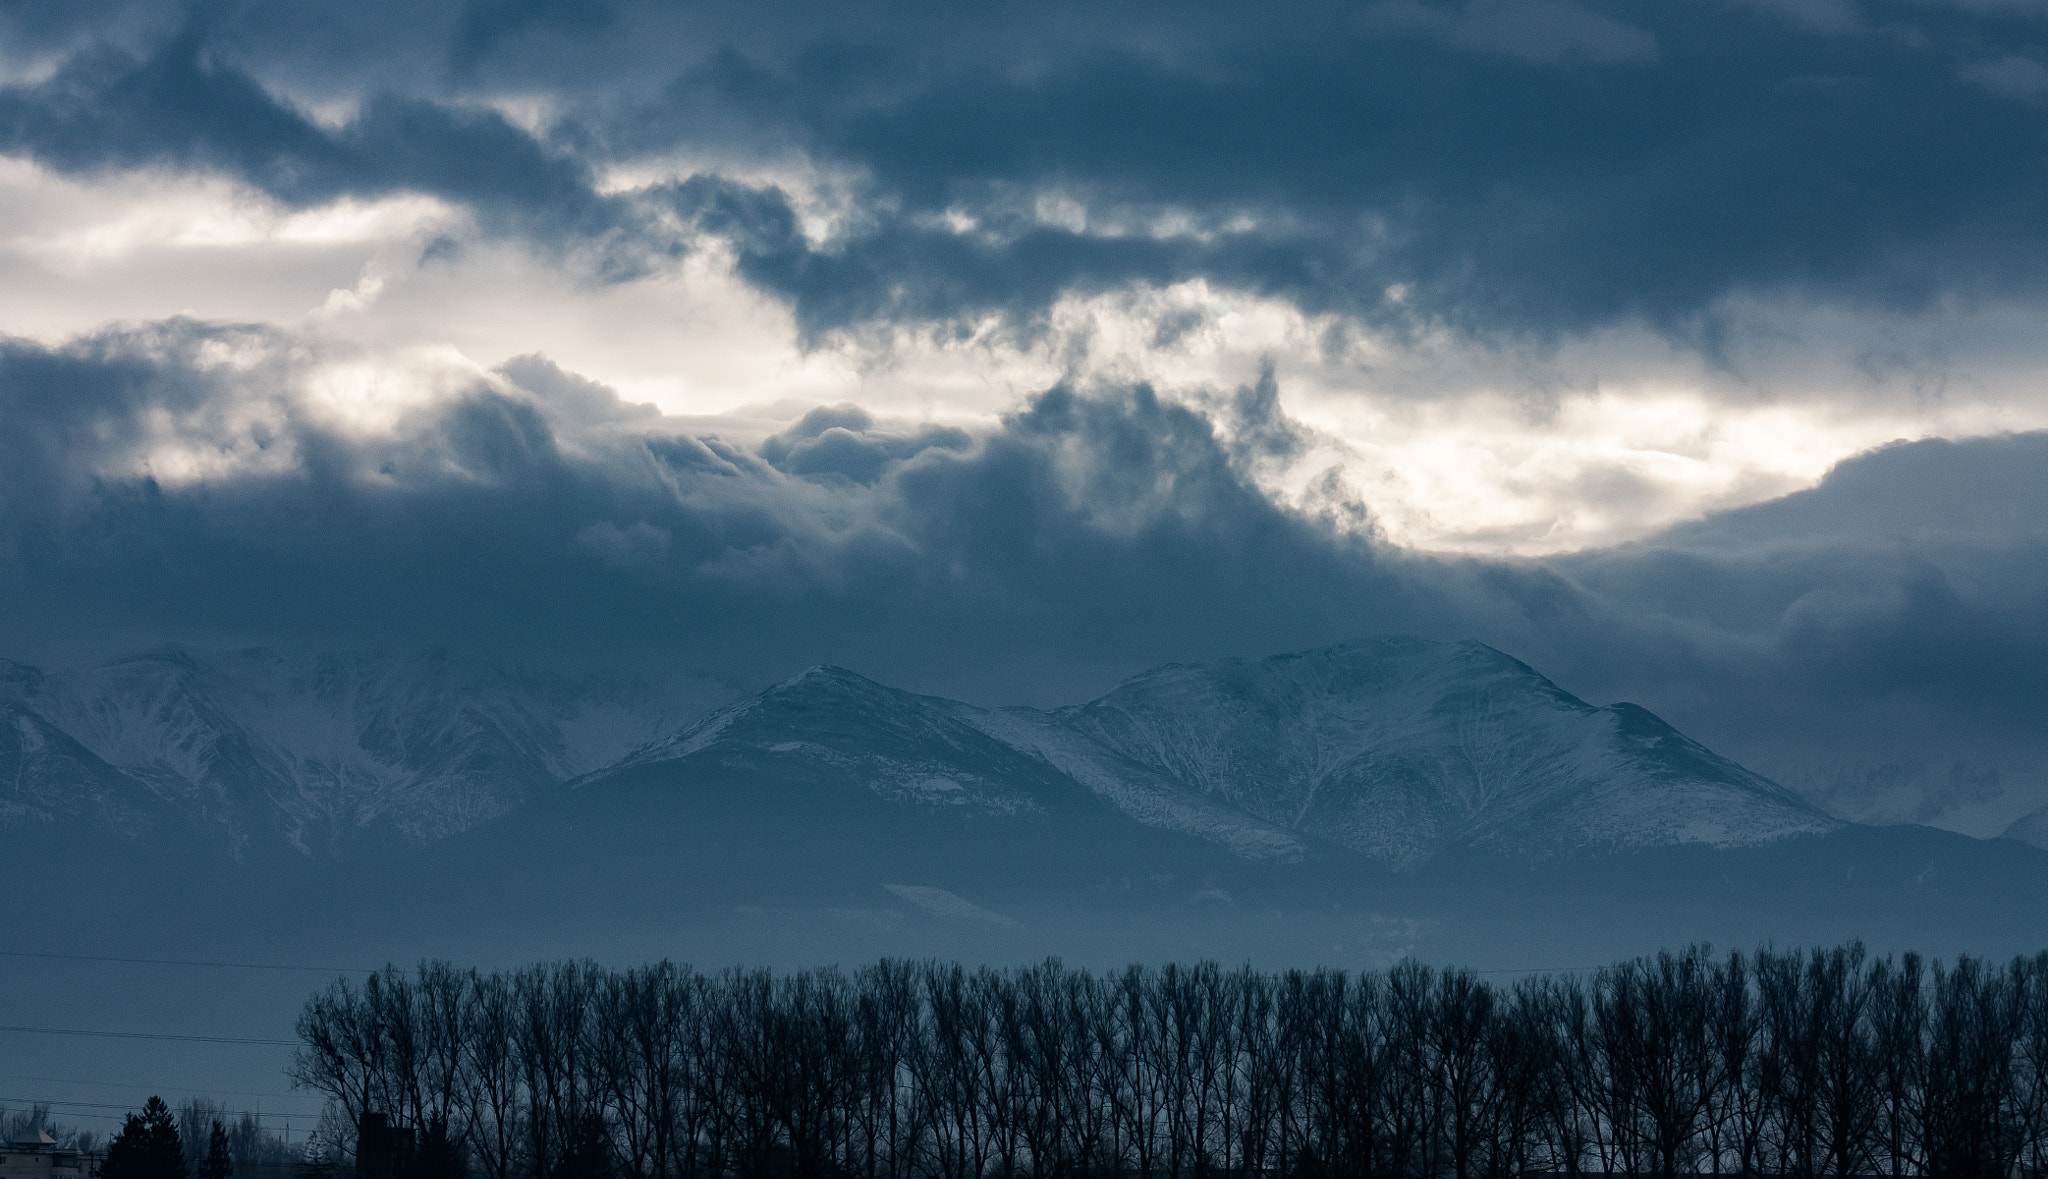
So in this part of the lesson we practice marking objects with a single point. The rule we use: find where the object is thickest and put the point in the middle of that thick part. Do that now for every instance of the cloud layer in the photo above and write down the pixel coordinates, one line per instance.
(1530, 164)
(1543, 275)
(1002, 351)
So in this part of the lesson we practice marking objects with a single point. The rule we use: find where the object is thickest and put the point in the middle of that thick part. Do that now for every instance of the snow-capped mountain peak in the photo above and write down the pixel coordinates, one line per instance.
(1396, 749)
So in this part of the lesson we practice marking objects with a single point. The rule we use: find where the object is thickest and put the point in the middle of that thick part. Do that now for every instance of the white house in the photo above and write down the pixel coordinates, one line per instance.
(37, 1156)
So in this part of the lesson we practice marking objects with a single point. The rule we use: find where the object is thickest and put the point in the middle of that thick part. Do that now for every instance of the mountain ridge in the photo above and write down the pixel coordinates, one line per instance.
(1378, 798)
(1393, 750)
(317, 751)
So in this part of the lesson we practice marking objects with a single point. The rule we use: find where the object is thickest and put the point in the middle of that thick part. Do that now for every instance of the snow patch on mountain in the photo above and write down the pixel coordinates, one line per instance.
(1151, 798)
(1397, 749)
(1400, 748)
(922, 750)
(316, 749)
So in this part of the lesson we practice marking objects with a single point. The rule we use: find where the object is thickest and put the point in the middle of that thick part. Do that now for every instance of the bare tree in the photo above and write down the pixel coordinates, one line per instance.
(1792, 1063)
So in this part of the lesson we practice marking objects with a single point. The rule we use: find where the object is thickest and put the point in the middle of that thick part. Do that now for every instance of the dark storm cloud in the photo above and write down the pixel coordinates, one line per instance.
(1910, 587)
(1087, 534)
(1511, 163)
(486, 23)
(178, 108)
(1744, 154)
(1877, 641)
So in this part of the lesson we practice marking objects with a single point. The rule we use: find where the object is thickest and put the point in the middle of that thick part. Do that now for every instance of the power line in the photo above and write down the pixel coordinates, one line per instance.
(86, 1113)
(190, 962)
(148, 1088)
(377, 969)
(70, 1112)
(285, 1132)
(148, 1036)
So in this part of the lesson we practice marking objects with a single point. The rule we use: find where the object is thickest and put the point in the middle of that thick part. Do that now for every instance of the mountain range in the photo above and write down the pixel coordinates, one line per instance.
(1393, 750)
(1388, 787)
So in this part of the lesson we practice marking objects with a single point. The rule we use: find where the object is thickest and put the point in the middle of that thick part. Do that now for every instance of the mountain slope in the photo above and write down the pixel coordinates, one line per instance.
(830, 793)
(922, 750)
(48, 779)
(1395, 750)
(321, 751)
(1401, 748)
(2031, 828)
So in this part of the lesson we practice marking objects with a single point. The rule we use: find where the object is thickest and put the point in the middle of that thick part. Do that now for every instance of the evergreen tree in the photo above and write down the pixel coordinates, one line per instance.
(219, 1162)
(147, 1147)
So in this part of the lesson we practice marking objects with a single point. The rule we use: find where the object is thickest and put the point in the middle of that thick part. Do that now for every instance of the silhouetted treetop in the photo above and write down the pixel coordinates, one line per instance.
(1823, 1062)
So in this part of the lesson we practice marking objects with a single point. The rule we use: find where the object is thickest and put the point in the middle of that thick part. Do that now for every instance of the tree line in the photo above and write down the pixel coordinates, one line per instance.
(151, 1144)
(202, 1137)
(1803, 1063)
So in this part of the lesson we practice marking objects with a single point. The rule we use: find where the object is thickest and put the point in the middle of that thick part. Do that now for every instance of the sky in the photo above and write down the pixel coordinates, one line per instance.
(1692, 353)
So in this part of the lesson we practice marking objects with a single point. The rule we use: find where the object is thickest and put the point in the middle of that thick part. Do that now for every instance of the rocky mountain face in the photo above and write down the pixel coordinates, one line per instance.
(50, 778)
(938, 754)
(919, 750)
(1400, 748)
(311, 752)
